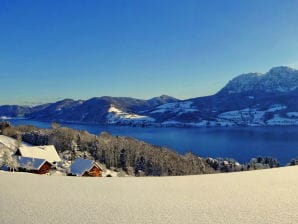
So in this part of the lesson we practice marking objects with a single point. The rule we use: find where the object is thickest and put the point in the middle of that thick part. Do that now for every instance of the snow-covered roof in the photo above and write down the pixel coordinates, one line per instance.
(10, 143)
(80, 166)
(47, 152)
(30, 163)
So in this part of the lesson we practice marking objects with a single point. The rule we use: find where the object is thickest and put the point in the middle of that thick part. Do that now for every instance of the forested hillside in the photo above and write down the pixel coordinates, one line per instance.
(133, 156)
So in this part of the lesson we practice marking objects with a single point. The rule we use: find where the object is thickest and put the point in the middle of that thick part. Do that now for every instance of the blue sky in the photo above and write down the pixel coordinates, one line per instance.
(50, 50)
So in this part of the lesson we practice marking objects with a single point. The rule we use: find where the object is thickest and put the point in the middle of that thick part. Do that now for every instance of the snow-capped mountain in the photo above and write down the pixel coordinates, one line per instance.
(251, 99)
(278, 79)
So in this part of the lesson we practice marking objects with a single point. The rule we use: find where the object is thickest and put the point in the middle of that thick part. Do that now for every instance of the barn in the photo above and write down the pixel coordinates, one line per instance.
(33, 165)
(85, 167)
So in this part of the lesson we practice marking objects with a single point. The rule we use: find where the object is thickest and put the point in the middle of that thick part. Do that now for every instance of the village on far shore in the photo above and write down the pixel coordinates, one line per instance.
(16, 155)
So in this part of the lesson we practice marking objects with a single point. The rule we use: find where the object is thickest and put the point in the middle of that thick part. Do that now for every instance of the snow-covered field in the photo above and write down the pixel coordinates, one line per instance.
(247, 116)
(266, 196)
(117, 116)
(178, 107)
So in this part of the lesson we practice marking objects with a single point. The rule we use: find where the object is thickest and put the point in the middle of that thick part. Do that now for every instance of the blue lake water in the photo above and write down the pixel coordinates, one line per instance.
(241, 143)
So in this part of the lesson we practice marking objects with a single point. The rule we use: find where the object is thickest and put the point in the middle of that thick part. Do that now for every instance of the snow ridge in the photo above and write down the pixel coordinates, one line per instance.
(117, 116)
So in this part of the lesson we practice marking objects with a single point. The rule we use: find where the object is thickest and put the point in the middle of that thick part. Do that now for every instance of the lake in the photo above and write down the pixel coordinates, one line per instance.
(240, 143)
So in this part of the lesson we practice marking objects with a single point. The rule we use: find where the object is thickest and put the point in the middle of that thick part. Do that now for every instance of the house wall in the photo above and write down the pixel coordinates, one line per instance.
(93, 172)
(45, 168)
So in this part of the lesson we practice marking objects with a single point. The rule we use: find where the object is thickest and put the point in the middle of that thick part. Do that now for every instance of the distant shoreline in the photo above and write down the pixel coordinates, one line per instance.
(155, 125)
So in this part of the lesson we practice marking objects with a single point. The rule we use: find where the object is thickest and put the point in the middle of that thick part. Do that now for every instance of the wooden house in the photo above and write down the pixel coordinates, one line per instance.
(33, 165)
(85, 167)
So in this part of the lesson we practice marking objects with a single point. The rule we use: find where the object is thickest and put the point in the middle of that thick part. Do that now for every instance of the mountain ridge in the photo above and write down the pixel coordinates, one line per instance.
(251, 99)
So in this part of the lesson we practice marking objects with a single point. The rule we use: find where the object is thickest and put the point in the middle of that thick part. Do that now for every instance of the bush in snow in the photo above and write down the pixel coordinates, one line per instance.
(262, 163)
(293, 162)
(9, 161)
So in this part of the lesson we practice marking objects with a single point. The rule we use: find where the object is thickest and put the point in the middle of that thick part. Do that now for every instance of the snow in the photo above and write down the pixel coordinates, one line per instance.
(278, 79)
(26, 162)
(47, 152)
(281, 121)
(4, 118)
(244, 116)
(108, 172)
(276, 107)
(11, 143)
(292, 114)
(113, 109)
(80, 166)
(249, 116)
(116, 115)
(263, 196)
(242, 83)
(178, 107)
(284, 70)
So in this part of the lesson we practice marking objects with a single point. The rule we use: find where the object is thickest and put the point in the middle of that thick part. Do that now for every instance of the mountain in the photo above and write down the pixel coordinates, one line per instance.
(14, 110)
(104, 109)
(161, 100)
(54, 111)
(251, 99)
(277, 80)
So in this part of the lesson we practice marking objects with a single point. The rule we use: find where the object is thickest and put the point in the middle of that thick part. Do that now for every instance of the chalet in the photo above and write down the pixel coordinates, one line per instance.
(35, 159)
(33, 165)
(85, 167)
(46, 152)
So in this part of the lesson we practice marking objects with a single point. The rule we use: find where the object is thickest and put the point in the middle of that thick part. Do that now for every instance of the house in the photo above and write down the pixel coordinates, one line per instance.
(85, 167)
(46, 152)
(33, 165)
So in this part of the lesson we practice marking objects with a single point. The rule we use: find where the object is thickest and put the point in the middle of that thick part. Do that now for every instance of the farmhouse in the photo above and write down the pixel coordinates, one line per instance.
(85, 167)
(46, 152)
(33, 165)
(35, 159)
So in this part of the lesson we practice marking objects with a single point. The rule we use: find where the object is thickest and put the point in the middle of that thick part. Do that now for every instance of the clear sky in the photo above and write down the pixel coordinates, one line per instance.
(50, 50)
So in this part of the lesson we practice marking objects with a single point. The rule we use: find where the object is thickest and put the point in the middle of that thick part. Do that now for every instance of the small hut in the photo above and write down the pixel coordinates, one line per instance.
(85, 167)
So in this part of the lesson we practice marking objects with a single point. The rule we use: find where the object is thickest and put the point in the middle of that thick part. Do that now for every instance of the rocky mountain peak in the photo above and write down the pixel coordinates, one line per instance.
(282, 70)
(277, 79)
